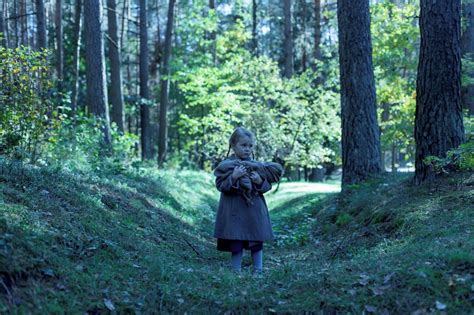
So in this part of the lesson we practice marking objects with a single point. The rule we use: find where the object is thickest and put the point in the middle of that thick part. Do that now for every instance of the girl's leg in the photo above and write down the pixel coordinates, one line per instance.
(257, 258)
(237, 260)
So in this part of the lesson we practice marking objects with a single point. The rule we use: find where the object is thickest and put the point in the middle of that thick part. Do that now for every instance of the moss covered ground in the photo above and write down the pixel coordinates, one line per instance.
(140, 242)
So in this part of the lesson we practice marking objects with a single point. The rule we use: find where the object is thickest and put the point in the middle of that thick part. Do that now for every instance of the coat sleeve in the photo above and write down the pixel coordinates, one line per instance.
(263, 187)
(226, 184)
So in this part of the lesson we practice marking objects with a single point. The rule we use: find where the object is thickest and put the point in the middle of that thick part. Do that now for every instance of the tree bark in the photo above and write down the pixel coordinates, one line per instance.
(76, 39)
(59, 42)
(467, 49)
(41, 24)
(6, 29)
(438, 119)
(95, 67)
(3, 41)
(163, 128)
(360, 130)
(288, 40)
(23, 23)
(254, 28)
(144, 91)
(317, 29)
(116, 95)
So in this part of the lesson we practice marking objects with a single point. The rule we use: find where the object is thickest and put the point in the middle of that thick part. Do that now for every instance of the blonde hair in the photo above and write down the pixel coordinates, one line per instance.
(239, 133)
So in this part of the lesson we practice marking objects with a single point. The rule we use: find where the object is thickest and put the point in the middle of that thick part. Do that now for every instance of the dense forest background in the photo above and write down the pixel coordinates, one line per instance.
(165, 81)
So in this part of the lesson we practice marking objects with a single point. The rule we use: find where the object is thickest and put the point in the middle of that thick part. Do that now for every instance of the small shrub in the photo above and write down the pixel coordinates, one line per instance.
(459, 159)
(27, 114)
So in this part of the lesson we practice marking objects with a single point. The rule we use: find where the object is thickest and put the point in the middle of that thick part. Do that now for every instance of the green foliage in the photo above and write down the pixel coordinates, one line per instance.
(78, 146)
(459, 159)
(395, 38)
(291, 119)
(27, 115)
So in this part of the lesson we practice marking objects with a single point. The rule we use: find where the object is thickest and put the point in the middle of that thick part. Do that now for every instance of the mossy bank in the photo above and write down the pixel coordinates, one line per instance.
(140, 241)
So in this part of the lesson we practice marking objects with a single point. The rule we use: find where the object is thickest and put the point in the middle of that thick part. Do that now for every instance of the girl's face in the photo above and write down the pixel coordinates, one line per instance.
(243, 148)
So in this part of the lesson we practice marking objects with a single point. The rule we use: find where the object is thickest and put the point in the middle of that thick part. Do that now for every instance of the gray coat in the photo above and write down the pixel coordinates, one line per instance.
(238, 219)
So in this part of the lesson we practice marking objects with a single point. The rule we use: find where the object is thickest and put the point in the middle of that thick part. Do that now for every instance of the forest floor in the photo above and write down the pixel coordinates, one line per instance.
(140, 241)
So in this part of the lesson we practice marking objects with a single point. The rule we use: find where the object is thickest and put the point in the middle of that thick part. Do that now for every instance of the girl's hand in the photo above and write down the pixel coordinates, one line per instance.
(255, 177)
(238, 172)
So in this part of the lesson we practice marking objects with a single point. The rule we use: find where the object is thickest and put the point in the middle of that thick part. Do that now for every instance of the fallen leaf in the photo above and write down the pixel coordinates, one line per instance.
(440, 305)
(108, 303)
(180, 301)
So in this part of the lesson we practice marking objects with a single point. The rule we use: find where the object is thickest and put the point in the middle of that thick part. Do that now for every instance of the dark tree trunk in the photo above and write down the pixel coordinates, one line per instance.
(317, 29)
(76, 39)
(15, 24)
(59, 43)
(288, 40)
(23, 23)
(303, 27)
(163, 128)
(157, 54)
(254, 28)
(438, 118)
(116, 96)
(41, 24)
(467, 47)
(95, 67)
(144, 91)
(6, 33)
(3, 41)
(360, 130)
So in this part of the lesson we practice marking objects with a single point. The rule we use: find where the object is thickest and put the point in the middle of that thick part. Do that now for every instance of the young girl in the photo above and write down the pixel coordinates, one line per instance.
(242, 220)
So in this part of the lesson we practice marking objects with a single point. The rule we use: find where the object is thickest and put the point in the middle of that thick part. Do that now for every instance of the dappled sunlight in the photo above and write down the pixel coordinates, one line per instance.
(288, 193)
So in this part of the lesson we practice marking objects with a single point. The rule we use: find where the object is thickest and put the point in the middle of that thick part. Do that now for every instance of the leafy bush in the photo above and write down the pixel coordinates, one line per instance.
(459, 159)
(27, 115)
(78, 146)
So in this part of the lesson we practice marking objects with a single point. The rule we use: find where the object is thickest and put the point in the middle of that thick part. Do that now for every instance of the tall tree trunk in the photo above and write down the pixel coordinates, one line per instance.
(303, 26)
(163, 128)
(438, 119)
(59, 42)
(467, 47)
(254, 28)
(76, 40)
(3, 41)
(23, 23)
(144, 91)
(15, 24)
(157, 54)
(6, 29)
(95, 67)
(116, 95)
(317, 29)
(360, 130)
(288, 40)
(41, 24)
(125, 15)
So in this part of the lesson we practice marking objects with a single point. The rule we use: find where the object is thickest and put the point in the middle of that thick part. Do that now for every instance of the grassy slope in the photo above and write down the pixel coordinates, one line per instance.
(142, 242)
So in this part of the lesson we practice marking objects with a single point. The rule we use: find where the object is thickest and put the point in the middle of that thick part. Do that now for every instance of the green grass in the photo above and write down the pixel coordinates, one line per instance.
(141, 241)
